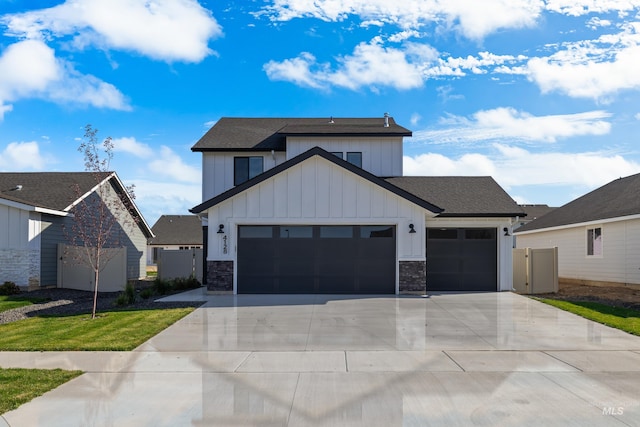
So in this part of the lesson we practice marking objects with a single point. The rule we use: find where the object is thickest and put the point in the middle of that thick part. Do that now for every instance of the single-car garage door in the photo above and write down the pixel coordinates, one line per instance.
(329, 259)
(462, 259)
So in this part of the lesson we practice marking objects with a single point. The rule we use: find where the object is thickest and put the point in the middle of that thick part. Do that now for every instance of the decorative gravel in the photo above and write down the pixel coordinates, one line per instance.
(64, 302)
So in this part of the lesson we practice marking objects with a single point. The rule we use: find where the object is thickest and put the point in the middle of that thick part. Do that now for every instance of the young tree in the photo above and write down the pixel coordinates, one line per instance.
(101, 218)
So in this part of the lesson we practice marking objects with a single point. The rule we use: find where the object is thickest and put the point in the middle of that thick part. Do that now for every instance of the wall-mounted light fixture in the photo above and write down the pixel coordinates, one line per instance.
(221, 229)
(412, 229)
(506, 231)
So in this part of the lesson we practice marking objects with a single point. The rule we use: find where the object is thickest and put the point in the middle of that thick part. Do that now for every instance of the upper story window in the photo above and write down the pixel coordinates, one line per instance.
(245, 168)
(338, 153)
(594, 241)
(355, 158)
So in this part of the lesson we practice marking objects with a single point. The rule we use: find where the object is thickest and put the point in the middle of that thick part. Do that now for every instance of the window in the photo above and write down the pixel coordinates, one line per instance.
(375, 231)
(355, 158)
(296, 232)
(245, 168)
(594, 241)
(337, 154)
(336, 232)
(256, 232)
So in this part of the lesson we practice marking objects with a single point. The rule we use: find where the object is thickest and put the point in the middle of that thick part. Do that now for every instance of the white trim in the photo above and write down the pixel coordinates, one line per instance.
(31, 208)
(580, 224)
(586, 239)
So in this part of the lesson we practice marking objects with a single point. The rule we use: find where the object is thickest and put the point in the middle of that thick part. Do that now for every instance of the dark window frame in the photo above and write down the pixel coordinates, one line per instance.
(356, 162)
(244, 168)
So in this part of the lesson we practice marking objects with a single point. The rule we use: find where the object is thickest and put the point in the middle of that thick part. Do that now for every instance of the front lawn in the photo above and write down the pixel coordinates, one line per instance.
(110, 331)
(22, 385)
(621, 318)
(11, 302)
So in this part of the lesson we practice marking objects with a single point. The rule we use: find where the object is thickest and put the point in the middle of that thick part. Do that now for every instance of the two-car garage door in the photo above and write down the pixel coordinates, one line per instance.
(325, 259)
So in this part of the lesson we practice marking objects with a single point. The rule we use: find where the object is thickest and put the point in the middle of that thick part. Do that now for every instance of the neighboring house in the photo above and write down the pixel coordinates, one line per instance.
(174, 232)
(310, 205)
(36, 214)
(533, 212)
(597, 235)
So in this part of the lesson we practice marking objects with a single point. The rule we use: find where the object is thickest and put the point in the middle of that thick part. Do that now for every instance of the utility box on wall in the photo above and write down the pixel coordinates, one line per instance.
(535, 271)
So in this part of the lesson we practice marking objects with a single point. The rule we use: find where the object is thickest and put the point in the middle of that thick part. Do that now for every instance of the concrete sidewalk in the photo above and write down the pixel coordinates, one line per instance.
(483, 358)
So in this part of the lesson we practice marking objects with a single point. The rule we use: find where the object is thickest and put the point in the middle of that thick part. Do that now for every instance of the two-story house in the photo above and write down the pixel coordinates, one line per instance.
(319, 205)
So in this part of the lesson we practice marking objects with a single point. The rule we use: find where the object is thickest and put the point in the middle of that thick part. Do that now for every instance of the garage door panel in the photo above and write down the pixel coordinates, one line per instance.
(322, 259)
(462, 259)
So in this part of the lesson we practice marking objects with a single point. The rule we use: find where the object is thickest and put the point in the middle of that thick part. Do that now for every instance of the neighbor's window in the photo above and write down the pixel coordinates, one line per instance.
(355, 158)
(245, 168)
(594, 241)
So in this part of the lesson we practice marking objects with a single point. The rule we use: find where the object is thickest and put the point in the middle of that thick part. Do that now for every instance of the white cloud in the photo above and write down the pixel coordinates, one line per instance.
(508, 123)
(473, 19)
(514, 167)
(158, 197)
(170, 30)
(29, 69)
(20, 156)
(132, 146)
(168, 164)
(586, 7)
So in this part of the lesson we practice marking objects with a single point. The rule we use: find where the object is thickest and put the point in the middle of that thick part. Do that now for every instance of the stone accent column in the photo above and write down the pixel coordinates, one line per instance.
(220, 276)
(413, 276)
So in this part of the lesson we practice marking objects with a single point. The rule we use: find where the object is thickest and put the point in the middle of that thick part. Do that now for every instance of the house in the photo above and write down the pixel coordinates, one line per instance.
(319, 205)
(533, 212)
(597, 235)
(37, 214)
(174, 232)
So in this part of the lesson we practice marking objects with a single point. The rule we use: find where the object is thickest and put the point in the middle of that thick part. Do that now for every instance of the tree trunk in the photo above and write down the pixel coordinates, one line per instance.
(95, 293)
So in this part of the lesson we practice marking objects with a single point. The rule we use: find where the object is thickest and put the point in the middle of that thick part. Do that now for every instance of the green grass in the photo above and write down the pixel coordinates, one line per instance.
(111, 331)
(11, 302)
(22, 385)
(621, 318)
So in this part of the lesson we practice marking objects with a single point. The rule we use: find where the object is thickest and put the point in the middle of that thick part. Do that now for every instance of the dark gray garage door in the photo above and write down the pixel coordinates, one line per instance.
(317, 259)
(462, 259)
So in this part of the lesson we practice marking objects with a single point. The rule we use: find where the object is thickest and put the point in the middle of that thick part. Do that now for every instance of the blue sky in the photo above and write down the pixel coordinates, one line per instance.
(541, 95)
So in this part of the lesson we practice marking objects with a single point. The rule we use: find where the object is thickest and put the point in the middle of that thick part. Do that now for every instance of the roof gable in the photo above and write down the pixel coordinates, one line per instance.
(618, 198)
(462, 196)
(266, 134)
(316, 151)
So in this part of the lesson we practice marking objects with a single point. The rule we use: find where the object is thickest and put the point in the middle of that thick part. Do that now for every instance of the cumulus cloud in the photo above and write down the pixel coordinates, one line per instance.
(170, 30)
(168, 164)
(30, 69)
(508, 123)
(132, 146)
(20, 156)
(472, 19)
(586, 7)
(159, 197)
(514, 167)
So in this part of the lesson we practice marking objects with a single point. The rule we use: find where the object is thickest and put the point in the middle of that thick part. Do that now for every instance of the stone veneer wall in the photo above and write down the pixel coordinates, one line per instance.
(20, 266)
(413, 276)
(220, 276)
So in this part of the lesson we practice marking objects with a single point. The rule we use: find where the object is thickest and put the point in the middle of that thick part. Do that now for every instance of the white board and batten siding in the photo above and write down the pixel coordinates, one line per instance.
(620, 260)
(317, 191)
(217, 169)
(382, 156)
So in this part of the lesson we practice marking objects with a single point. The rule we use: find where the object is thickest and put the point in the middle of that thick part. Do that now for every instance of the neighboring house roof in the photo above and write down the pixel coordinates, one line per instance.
(58, 192)
(618, 198)
(177, 230)
(316, 151)
(461, 196)
(266, 134)
(536, 211)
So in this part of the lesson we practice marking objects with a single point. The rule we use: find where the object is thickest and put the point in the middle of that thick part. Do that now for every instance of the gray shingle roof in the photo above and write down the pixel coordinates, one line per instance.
(177, 230)
(266, 134)
(461, 196)
(536, 211)
(616, 199)
(50, 190)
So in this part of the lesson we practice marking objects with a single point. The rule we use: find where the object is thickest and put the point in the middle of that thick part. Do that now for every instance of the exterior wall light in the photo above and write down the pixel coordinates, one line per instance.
(221, 229)
(506, 231)
(412, 229)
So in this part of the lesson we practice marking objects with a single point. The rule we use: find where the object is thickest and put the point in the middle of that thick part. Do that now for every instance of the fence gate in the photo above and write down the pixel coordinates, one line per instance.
(535, 271)
(73, 272)
(180, 263)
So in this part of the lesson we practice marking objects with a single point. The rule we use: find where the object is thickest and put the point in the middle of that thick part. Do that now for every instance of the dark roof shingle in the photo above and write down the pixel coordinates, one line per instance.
(461, 196)
(266, 134)
(616, 199)
(177, 230)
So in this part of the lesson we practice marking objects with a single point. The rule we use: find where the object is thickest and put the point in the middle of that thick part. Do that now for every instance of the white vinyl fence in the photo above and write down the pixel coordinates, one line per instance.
(535, 271)
(180, 263)
(73, 273)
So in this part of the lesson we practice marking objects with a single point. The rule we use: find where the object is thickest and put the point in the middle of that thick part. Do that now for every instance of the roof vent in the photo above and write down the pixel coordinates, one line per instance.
(17, 187)
(386, 120)
(331, 119)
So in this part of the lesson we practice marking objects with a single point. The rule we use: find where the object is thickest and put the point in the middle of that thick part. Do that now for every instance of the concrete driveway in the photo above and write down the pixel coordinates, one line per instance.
(489, 359)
